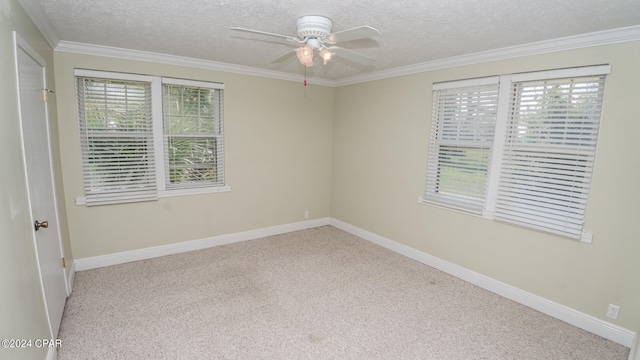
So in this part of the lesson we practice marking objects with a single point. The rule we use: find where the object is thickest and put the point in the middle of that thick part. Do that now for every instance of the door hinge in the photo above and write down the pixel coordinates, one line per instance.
(64, 264)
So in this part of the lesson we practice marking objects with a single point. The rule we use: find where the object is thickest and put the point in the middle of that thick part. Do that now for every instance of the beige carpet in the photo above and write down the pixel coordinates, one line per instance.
(314, 294)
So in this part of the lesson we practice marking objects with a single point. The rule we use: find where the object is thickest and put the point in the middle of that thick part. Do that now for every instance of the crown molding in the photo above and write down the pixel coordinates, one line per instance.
(40, 19)
(606, 37)
(89, 49)
(613, 36)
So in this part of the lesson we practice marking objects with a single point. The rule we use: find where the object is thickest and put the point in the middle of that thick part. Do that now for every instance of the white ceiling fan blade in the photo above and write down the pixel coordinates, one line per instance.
(290, 38)
(352, 56)
(286, 56)
(357, 33)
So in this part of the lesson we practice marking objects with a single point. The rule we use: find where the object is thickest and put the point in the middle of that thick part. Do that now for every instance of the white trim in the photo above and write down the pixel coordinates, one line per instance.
(81, 200)
(581, 320)
(607, 37)
(163, 250)
(491, 80)
(613, 36)
(20, 44)
(89, 49)
(52, 354)
(23, 45)
(112, 75)
(156, 84)
(193, 191)
(71, 276)
(423, 201)
(41, 20)
(494, 208)
(635, 347)
(502, 117)
(193, 83)
(158, 133)
(562, 73)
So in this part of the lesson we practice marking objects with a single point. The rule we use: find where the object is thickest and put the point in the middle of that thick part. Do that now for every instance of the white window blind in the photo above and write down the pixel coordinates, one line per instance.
(549, 153)
(460, 147)
(518, 148)
(116, 137)
(193, 134)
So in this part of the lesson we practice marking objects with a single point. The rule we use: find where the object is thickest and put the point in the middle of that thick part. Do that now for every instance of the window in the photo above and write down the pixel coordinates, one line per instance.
(192, 135)
(116, 139)
(461, 143)
(520, 149)
(145, 137)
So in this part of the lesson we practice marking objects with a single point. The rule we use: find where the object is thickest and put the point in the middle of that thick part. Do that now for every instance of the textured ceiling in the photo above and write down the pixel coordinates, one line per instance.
(412, 31)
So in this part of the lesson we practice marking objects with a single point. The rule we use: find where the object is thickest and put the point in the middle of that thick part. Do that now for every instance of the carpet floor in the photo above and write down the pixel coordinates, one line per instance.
(320, 293)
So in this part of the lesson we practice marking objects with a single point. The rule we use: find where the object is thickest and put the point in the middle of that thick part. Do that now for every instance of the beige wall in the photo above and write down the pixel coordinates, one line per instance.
(22, 307)
(379, 168)
(278, 137)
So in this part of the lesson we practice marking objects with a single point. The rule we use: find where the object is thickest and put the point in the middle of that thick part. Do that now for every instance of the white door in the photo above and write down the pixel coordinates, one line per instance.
(35, 135)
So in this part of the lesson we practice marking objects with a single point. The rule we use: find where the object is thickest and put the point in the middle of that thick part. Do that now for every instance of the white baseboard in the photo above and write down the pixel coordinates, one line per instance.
(634, 354)
(581, 320)
(157, 251)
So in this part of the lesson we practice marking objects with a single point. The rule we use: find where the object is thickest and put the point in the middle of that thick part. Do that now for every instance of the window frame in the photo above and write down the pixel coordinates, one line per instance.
(459, 89)
(117, 157)
(162, 172)
(156, 83)
(494, 176)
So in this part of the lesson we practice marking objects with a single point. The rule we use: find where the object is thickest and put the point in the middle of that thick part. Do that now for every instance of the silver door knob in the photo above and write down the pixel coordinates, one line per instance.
(44, 224)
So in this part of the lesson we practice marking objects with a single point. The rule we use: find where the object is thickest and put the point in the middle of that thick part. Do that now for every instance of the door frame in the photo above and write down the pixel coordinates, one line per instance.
(21, 44)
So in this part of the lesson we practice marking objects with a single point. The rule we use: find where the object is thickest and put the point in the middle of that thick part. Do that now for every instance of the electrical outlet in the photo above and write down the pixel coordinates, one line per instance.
(613, 311)
(306, 214)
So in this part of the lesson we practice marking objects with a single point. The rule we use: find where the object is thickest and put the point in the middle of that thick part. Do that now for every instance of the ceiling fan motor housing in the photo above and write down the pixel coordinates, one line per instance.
(313, 26)
(315, 38)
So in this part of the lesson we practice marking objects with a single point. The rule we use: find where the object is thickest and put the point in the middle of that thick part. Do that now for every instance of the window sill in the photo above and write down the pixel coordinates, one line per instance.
(80, 200)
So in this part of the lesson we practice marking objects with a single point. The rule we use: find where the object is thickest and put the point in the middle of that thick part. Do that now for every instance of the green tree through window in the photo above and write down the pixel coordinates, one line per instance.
(192, 135)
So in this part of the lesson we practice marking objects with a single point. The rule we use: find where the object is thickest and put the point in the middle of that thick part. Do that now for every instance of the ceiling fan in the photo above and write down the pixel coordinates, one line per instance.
(314, 36)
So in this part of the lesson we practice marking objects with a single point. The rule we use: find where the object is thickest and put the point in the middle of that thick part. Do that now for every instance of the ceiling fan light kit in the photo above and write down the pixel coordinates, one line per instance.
(314, 36)
(326, 55)
(305, 55)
